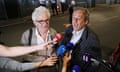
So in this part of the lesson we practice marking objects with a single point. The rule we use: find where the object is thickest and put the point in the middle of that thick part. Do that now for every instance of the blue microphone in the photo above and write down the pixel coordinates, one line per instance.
(76, 68)
(70, 46)
(63, 49)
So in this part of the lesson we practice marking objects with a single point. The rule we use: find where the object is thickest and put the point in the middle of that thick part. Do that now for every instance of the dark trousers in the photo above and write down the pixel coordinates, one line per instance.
(70, 14)
(54, 9)
(42, 5)
(63, 7)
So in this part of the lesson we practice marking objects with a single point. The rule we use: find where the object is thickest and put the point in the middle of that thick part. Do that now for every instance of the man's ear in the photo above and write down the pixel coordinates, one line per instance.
(86, 22)
(34, 23)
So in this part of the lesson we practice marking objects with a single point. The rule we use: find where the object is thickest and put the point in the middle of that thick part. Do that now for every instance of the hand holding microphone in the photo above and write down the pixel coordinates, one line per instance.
(63, 53)
(66, 59)
(50, 43)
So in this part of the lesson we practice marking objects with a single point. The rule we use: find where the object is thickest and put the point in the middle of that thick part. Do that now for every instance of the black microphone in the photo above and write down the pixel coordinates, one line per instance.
(70, 46)
(88, 58)
(76, 68)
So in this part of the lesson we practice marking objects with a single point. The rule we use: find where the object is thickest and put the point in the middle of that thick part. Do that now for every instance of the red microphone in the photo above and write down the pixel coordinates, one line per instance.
(57, 37)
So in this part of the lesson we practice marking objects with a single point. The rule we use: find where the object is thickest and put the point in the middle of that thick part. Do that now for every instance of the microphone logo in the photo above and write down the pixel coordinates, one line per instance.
(86, 57)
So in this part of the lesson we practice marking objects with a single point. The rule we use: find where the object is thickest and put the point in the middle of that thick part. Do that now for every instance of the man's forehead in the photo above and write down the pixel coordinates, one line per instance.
(79, 11)
(42, 16)
(78, 14)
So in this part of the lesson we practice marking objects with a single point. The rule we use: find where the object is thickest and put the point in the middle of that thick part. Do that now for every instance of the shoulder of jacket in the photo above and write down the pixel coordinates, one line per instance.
(52, 30)
(26, 32)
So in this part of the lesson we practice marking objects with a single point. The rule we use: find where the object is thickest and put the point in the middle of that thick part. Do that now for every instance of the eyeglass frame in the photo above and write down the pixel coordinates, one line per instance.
(42, 21)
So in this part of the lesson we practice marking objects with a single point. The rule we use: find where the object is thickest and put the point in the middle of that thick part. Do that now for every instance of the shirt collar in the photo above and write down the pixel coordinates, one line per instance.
(37, 33)
(78, 32)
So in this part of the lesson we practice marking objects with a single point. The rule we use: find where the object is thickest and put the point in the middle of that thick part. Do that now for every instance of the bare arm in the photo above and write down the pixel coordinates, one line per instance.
(48, 62)
(66, 59)
(21, 50)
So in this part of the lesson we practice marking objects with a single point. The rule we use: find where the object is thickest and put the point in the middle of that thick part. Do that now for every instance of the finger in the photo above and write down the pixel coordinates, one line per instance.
(49, 46)
(50, 63)
(67, 54)
(50, 42)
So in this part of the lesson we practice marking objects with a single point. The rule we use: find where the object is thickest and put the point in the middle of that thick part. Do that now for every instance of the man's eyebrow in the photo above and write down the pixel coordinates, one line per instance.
(42, 19)
(76, 16)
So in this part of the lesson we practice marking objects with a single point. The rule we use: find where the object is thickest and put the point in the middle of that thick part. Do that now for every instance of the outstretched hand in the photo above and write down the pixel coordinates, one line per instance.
(46, 46)
(49, 61)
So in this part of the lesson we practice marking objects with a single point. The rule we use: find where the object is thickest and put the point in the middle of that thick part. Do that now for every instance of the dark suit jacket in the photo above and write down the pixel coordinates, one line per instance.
(88, 43)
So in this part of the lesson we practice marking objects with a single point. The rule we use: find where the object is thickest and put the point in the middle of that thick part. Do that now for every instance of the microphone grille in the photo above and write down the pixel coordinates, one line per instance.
(76, 68)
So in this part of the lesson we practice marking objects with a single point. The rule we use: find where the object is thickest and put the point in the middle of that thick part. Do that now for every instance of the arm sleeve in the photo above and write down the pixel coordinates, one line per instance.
(24, 38)
(10, 64)
(94, 45)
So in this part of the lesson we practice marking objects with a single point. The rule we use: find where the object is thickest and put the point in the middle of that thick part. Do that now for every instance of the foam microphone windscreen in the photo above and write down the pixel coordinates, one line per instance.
(70, 46)
(57, 37)
(61, 50)
(76, 68)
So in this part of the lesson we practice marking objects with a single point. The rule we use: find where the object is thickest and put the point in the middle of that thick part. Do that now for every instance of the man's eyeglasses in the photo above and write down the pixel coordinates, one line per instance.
(42, 21)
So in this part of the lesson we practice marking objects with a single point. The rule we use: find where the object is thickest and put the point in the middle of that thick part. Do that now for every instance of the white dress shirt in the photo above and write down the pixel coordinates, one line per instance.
(76, 36)
(40, 40)
(63, 1)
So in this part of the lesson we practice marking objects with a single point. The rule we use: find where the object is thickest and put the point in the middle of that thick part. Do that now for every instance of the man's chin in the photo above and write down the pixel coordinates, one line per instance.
(76, 29)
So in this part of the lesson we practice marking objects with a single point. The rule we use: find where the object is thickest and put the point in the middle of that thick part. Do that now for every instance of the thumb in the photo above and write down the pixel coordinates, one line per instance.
(49, 42)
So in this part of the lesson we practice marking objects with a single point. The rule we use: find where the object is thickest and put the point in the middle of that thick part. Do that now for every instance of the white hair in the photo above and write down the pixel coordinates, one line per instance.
(40, 10)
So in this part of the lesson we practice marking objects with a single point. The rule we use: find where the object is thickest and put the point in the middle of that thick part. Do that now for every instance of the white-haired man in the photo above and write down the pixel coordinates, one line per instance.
(41, 33)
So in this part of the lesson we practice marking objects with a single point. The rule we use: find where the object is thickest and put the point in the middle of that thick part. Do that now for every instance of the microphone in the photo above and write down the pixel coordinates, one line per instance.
(60, 53)
(57, 37)
(88, 58)
(70, 46)
(63, 49)
(76, 68)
